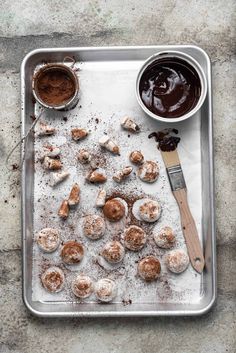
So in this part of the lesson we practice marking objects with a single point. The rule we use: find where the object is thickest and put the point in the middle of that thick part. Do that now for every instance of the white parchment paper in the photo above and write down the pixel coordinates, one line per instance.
(107, 94)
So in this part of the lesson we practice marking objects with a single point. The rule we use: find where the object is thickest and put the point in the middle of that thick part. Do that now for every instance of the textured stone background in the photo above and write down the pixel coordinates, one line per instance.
(29, 24)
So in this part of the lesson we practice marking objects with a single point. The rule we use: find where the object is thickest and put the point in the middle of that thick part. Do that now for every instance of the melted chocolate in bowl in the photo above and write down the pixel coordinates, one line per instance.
(170, 87)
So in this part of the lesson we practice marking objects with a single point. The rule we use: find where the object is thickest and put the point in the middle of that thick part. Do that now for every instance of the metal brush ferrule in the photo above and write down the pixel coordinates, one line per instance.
(176, 177)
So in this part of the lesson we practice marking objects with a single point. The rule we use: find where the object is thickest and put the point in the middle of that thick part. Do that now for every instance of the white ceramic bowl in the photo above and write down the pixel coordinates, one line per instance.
(192, 62)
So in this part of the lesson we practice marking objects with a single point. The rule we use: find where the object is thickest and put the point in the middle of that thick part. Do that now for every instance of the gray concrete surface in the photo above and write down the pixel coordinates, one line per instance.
(28, 24)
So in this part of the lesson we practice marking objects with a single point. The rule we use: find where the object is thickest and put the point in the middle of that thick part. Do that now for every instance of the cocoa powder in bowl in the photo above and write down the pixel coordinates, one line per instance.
(55, 85)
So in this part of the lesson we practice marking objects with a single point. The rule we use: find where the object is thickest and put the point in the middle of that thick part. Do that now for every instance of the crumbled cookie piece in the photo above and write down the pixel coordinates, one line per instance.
(50, 151)
(64, 210)
(84, 156)
(97, 176)
(109, 144)
(129, 124)
(101, 198)
(136, 157)
(58, 177)
(74, 198)
(52, 164)
(45, 129)
(122, 174)
(78, 134)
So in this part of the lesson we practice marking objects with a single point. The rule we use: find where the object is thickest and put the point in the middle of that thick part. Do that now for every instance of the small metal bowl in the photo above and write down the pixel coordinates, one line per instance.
(71, 103)
(192, 62)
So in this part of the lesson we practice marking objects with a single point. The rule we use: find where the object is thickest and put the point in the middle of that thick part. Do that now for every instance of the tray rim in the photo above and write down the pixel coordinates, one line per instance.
(152, 313)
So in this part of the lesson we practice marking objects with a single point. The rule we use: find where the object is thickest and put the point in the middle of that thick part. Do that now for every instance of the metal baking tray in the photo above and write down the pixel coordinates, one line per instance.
(107, 78)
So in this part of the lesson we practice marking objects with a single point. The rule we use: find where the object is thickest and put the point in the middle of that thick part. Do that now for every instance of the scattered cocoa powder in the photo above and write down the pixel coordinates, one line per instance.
(15, 166)
(126, 302)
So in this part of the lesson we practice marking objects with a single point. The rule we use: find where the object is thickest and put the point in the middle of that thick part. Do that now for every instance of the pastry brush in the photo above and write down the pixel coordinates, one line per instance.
(168, 148)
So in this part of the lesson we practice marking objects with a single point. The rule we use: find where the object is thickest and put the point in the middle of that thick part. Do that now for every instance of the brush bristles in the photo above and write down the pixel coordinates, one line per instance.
(170, 158)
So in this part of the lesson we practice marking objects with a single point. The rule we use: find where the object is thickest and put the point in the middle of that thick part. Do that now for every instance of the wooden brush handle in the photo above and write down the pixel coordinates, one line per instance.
(190, 231)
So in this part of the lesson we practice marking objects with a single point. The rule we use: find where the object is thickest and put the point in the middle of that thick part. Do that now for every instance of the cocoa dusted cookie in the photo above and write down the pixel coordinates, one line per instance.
(113, 252)
(148, 171)
(134, 238)
(53, 279)
(94, 227)
(82, 286)
(149, 210)
(72, 252)
(48, 239)
(114, 210)
(165, 238)
(177, 261)
(149, 268)
(105, 290)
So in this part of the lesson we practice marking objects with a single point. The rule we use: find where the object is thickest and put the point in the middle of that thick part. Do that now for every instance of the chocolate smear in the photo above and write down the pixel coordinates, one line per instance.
(166, 142)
